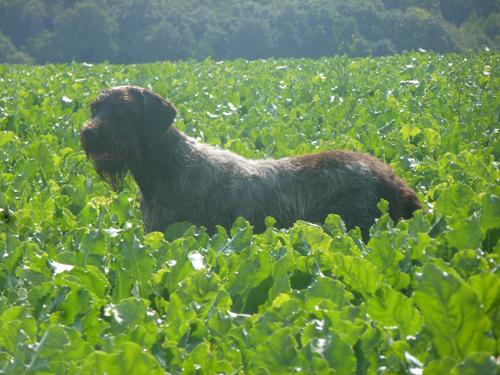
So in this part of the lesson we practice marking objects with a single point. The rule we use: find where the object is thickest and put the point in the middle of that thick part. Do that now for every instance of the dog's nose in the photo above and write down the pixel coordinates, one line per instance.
(89, 133)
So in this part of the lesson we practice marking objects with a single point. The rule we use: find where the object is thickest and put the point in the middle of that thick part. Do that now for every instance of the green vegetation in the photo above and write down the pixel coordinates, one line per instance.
(155, 30)
(83, 290)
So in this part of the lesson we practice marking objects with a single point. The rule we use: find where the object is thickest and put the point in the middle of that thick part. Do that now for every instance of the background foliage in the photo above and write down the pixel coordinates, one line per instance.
(128, 31)
(83, 290)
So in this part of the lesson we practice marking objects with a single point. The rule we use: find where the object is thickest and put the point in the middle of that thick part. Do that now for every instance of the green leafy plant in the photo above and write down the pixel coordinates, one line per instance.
(83, 290)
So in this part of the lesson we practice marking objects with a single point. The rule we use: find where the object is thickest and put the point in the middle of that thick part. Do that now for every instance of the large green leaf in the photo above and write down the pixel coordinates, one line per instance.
(491, 209)
(452, 314)
(6, 137)
(338, 354)
(392, 309)
(361, 275)
(278, 353)
(130, 360)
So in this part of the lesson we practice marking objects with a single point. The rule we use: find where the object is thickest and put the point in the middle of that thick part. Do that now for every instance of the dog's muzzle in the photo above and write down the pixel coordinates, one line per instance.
(92, 144)
(89, 135)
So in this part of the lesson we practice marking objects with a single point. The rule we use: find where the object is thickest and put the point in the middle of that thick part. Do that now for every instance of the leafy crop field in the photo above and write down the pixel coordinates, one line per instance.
(84, 291)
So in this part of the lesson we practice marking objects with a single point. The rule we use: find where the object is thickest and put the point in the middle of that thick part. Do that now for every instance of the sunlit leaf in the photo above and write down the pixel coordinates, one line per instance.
(452, 313)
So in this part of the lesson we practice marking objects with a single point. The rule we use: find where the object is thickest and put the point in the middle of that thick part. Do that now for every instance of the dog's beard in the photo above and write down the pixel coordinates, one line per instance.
(111, 171)
(111, 157)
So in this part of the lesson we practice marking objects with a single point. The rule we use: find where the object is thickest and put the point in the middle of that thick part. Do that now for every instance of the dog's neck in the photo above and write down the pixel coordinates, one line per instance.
(159, 157)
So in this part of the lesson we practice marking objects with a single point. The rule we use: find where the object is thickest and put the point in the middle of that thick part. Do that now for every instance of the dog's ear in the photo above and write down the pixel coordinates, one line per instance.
(159, 114)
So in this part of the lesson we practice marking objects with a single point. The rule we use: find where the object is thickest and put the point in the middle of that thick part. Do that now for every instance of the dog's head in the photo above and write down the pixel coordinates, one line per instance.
(126, 121)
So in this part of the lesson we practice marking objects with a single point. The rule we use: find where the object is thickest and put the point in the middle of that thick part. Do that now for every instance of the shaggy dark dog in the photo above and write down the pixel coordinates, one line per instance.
(183, 180)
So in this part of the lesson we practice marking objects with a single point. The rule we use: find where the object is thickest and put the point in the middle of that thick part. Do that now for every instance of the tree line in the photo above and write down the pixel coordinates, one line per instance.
(136, 31)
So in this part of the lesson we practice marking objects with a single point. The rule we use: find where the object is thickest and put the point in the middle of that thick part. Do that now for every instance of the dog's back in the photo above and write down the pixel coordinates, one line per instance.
(356, 183)
(213, 187)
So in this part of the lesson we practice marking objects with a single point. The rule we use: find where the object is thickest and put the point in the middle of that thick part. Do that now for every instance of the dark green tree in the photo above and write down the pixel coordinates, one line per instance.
(251, 40)
(85, 32)
(129, 31)
(456, 11)
(9, 54)
(418, 28)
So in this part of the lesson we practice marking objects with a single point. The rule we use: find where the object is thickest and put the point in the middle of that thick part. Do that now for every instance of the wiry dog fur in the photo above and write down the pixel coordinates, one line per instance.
(184, 180)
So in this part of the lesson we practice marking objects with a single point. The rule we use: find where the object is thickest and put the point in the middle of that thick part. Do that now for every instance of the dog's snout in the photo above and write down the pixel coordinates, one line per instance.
(89, 133)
